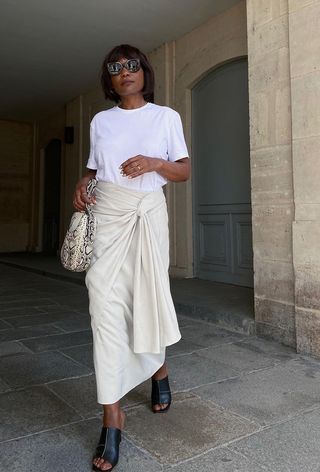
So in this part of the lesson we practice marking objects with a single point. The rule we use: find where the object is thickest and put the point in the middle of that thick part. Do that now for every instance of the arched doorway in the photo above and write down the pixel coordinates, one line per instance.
(221, 176)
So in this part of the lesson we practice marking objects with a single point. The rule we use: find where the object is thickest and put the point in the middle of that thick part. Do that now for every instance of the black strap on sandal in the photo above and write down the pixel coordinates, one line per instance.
(108, 447)
(161, 394)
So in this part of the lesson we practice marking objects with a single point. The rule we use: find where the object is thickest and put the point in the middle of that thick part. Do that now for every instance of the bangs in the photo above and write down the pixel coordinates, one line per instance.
(124, 51)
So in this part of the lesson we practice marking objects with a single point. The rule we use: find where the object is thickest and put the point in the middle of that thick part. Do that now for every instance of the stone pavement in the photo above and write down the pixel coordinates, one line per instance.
(230, 306)
(241, 404)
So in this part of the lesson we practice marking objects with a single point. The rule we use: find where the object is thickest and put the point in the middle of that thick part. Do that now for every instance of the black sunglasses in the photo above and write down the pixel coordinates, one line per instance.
(115, 68)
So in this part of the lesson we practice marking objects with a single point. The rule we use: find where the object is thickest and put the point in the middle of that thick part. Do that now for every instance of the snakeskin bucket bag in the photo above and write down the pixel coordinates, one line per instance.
(77, 246)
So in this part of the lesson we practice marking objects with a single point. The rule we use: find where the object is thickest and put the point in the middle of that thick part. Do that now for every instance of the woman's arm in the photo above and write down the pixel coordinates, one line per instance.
(177, 171)
(80, 197)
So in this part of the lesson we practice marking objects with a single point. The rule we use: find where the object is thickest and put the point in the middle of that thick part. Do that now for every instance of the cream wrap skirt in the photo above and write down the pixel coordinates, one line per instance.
(132, 313)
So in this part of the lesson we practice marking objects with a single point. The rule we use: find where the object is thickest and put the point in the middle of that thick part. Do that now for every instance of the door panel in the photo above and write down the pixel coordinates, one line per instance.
(214, 233)
(222, 190)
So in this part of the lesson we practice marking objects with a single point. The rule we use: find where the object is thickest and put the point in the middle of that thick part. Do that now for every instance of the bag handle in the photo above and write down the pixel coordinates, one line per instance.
(90, 189)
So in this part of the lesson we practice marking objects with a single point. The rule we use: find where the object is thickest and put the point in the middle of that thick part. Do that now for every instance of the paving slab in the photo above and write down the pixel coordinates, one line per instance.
(192, 370)
(50, 343)
(219, 460)
(271, 349)
(16, 334)
(9, 348)
(32, 410)
(238, 356)
(206, 334)
(81, 323)
(43, 318)
(23, 370)
(140, 394)
(184, 346)
(4, 325)
(57, 308)
(82, 311)
(80, 393)
(185, 320)
(23, 311)
(4, 387)
(54, 287)
(292, 446)
(22, 296)
(68, 449)
(6, 291)
(270, 395)
(78, 301)
(36, 302)
(81, 354)
(191, 427)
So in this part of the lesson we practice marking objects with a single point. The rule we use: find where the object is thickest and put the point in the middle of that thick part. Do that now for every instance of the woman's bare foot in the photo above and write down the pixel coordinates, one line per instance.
(115, 418)
(159, 375)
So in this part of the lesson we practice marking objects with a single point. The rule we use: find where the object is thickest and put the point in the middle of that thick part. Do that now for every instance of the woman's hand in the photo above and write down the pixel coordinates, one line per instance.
(139, 165)
(80, 196)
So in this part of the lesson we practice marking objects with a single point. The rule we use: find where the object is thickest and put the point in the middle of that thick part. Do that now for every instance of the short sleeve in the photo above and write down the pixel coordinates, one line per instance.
(177, 148)
(92, 164)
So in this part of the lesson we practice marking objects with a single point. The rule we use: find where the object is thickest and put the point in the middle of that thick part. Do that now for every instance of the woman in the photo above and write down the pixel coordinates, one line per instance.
(135, 148)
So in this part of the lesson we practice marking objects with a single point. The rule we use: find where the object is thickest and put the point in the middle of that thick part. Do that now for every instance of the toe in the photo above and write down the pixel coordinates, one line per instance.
(160, 406)
(100, 462)
(105, 466)
(96, 462)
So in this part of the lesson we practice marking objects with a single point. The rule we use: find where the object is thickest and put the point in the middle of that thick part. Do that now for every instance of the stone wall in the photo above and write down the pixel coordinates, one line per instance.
(16, 151)
(284, 93)
(271, 168)
(304, 40)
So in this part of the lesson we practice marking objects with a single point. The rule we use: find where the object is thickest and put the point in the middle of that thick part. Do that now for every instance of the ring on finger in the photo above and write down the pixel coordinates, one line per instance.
(139, 168)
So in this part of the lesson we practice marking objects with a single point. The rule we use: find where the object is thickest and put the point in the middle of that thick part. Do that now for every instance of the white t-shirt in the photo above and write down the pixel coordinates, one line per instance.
(117, 134)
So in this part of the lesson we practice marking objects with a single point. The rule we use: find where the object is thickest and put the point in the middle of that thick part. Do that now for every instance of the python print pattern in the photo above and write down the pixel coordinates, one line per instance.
(77, 246)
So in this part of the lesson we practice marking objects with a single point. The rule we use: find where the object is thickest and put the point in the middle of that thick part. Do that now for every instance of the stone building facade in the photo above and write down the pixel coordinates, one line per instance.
(280, 40)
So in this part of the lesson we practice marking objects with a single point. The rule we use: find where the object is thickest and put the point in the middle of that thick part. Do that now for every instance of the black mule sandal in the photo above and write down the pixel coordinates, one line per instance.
(160, 394)
(108, 447)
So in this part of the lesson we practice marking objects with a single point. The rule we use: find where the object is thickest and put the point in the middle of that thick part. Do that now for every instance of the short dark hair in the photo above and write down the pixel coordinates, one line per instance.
(129, 52)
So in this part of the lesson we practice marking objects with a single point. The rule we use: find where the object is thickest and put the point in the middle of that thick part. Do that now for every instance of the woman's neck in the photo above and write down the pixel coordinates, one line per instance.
(132, 101)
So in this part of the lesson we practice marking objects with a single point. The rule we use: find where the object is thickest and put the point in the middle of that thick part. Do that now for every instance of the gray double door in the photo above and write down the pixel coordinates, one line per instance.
(221, 176)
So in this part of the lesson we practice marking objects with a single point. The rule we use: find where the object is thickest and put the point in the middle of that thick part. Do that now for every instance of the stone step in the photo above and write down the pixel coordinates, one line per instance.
(240, 322)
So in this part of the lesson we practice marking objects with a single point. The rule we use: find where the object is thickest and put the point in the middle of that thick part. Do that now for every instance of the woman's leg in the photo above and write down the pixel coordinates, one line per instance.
(160, 374)
(114, 417)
